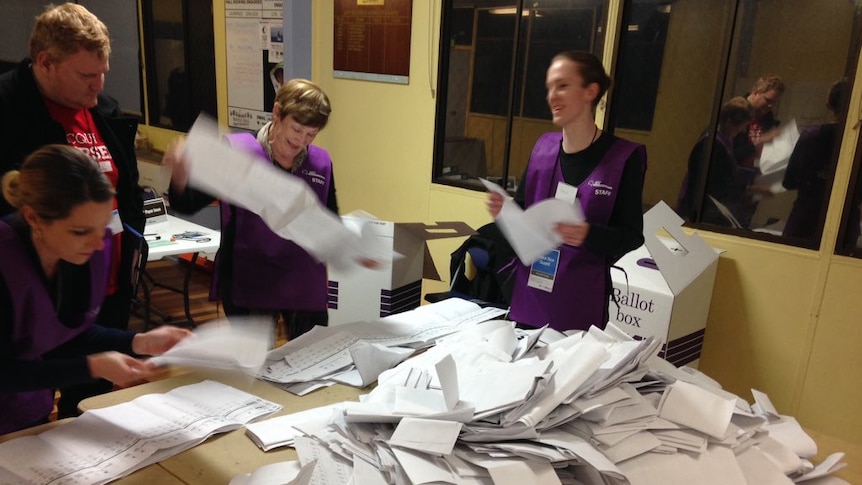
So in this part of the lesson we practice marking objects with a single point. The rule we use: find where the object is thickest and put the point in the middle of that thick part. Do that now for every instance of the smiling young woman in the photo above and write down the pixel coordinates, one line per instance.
(608, 173)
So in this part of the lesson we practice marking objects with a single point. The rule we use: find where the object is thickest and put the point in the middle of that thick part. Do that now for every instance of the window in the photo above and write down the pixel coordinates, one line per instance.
(493, 107)
(180, 61)
(679, 69)
(771, 177)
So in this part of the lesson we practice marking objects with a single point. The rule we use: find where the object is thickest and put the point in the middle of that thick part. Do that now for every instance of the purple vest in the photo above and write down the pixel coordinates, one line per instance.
(270, 272)
(36, 330)
(579, 296)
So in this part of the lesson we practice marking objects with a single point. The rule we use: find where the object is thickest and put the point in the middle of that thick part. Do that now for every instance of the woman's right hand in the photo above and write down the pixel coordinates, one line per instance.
(121, 369)
(175, 161)
(494, 204)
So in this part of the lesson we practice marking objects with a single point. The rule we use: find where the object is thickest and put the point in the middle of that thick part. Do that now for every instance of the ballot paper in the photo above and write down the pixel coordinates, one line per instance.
(775, 156)
(296, 213)
(584, 408)
(108, 443)
(788, 431)
(435, 437)
(325, 352)
(241, 344)
(272, 433)
(701, 410)
(532, 232)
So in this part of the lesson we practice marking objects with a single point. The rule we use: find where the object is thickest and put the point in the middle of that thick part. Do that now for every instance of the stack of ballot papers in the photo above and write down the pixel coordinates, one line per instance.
(108, 443)
(356, 353)
(492, 404)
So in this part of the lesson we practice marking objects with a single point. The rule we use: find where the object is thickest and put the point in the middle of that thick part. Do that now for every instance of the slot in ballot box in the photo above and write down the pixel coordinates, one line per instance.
(361, 294)
(664, 288)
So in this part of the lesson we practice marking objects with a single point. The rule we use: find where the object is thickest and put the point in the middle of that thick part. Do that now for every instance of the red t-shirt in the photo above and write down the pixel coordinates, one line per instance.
(82, 133)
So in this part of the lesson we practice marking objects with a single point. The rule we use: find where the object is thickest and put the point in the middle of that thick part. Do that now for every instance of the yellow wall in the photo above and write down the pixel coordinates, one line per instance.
(783, 320)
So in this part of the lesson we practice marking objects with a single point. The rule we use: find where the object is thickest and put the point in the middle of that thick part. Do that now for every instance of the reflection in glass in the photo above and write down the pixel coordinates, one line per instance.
(782, 57)
(727, 182)
(811, 165)
(677, 63)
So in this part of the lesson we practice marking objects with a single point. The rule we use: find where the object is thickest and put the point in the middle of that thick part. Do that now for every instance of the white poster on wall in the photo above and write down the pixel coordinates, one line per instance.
(254, 31)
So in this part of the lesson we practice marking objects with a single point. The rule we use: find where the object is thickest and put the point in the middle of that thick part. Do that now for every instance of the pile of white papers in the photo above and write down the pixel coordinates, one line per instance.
(356, 353)
(493, 405)
(105, 444)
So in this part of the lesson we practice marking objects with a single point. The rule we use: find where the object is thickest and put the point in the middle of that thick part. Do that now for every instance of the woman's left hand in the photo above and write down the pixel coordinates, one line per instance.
(159, 340)
(573, 234)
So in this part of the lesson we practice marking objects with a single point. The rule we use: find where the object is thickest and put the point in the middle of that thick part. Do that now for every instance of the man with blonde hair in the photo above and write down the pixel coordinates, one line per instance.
(763, 126)
(55, 96)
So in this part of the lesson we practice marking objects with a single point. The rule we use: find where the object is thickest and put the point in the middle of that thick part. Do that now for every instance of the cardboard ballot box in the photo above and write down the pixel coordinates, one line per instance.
(361, 294)
(666, 289)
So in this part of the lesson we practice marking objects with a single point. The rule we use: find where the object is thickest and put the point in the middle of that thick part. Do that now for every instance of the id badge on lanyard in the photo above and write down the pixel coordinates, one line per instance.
(543, 272)
(116, 225)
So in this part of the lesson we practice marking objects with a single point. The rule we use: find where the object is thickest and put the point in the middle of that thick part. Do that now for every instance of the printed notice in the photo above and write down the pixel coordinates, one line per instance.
(372, 40)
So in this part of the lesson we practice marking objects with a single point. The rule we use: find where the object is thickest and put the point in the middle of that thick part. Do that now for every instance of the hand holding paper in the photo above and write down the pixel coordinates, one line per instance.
(240, 346)
(532, 232)
(295, 213)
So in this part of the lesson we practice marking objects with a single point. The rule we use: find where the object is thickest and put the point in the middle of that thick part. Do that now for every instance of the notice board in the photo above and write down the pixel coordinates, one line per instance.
(254, 32)
(372, 40)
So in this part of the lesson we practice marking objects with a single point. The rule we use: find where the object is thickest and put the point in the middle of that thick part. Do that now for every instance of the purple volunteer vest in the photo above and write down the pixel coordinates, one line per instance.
(36, 330)
(270, 272)
(579, 296)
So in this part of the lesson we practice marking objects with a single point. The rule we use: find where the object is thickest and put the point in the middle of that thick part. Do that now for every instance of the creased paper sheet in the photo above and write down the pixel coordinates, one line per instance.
(775, 156)
(241, 345)
(284, 202)
(531, 232)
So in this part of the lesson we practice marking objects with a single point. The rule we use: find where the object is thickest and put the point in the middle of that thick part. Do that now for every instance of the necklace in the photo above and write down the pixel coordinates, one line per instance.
(592, 141)
(595, 136)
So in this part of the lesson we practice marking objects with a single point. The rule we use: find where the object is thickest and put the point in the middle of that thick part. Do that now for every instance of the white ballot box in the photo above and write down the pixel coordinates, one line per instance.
(664, 288)
(361, 294)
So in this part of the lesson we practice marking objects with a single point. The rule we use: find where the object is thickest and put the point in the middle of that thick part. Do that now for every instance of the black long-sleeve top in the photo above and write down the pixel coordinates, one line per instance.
(67, 364)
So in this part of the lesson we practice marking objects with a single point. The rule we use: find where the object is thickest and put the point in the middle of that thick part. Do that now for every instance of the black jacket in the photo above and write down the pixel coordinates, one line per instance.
(26, 125)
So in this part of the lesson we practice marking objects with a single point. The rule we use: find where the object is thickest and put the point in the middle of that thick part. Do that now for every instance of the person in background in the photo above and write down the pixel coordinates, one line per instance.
(609, 175)
(811, 166)
(55, 96)
(55, 255)
(258, 272)
(762, 128)
(727, 182)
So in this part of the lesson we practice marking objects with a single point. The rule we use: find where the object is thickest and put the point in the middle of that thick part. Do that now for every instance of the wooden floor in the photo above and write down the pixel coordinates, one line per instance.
(169, 304)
